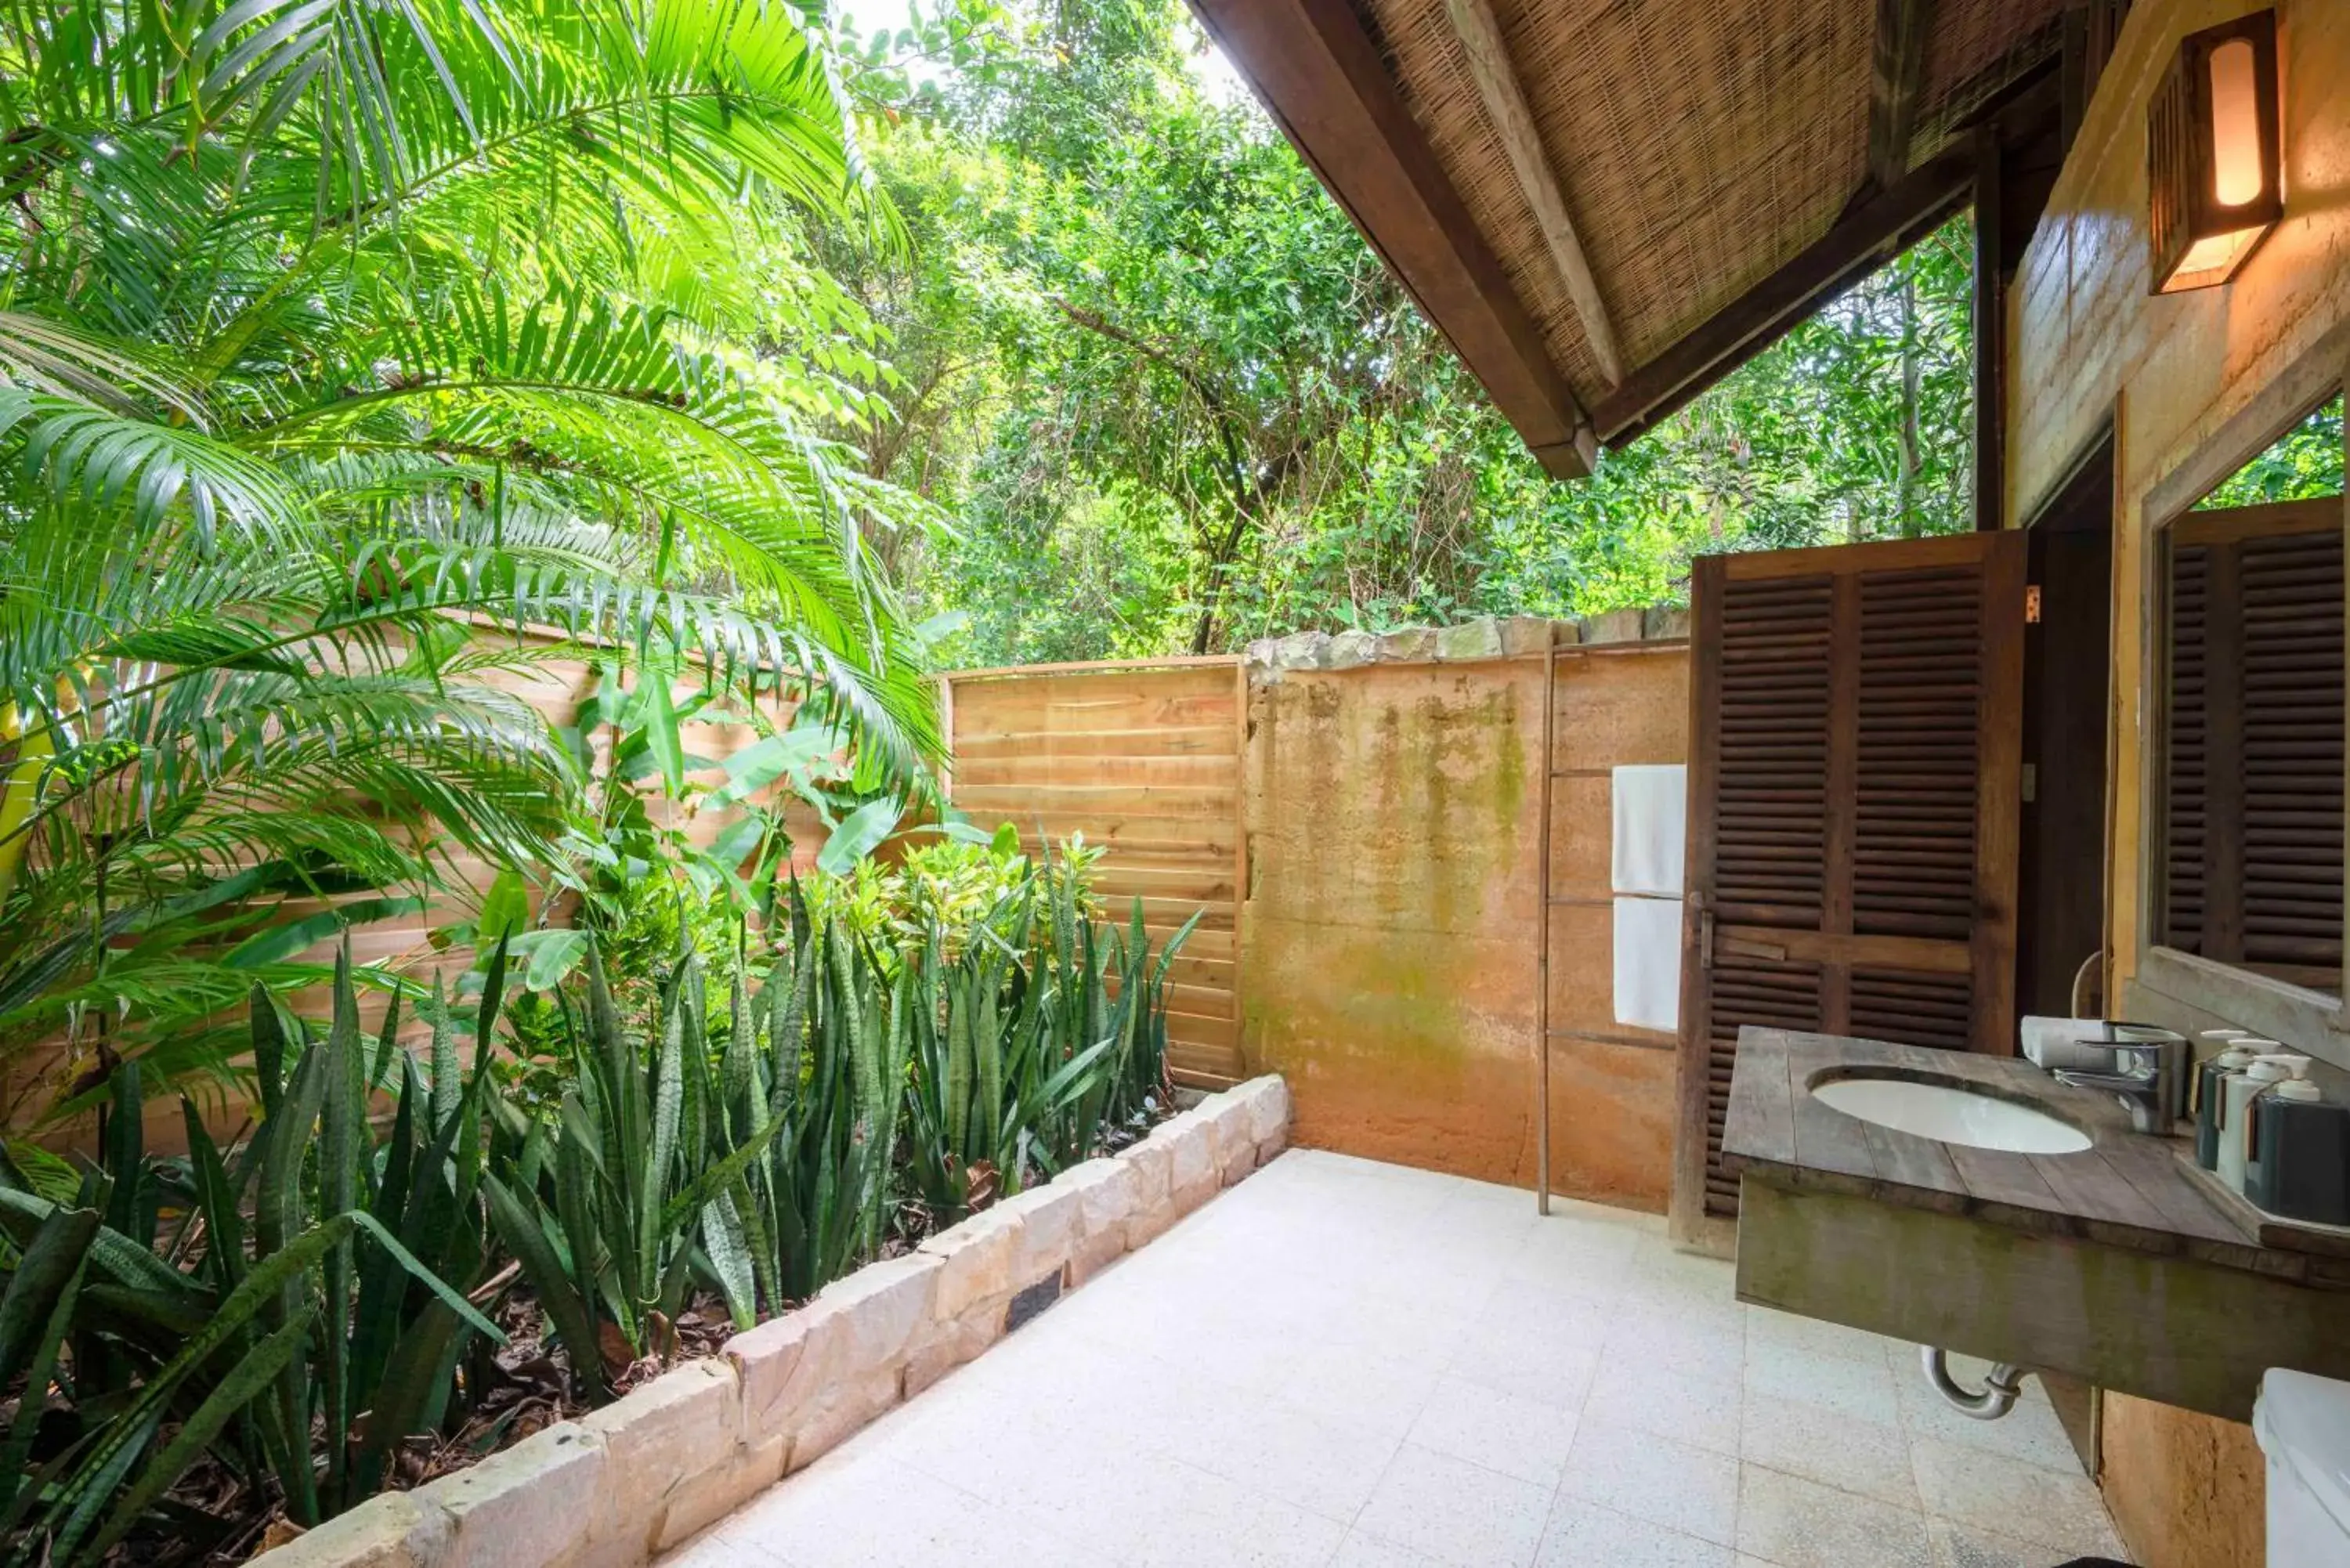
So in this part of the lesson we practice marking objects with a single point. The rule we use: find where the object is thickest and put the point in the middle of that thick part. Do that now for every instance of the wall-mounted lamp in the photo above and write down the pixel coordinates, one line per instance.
(2214, 161)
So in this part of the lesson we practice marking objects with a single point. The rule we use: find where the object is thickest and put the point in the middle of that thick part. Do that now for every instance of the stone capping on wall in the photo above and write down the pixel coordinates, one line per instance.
(630, 1482)
(1471, 642)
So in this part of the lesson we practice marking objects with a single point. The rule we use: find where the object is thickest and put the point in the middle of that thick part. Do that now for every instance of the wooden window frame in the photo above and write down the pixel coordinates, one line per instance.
(2211, 989)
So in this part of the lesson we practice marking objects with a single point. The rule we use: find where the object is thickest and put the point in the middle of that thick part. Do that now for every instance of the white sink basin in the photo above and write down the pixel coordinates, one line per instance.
(1952, 1115)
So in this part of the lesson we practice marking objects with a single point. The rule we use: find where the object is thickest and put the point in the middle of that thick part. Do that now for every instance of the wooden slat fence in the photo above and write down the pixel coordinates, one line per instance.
(555, 688)
(1142, 758)
(1145, 760)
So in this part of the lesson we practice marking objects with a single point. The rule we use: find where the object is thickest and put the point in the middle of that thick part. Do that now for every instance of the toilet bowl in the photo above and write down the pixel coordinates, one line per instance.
(2303, 1423)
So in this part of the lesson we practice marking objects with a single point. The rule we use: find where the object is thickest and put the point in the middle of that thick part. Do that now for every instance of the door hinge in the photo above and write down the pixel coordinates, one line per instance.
(2031, 604)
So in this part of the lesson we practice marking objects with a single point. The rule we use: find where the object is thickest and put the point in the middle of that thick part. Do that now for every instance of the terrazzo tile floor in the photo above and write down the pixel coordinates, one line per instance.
(1344, 1363)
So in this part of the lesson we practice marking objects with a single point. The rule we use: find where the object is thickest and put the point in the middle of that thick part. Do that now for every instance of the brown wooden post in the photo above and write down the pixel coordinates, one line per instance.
(1688, 1216)
(1542, 926)
(946, 738)
(1239, 861)
(1991, 331)
(1999, 801)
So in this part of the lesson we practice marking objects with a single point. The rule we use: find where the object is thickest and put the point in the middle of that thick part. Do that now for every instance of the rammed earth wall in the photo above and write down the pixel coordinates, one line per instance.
(1391, 941)
(632, 1480)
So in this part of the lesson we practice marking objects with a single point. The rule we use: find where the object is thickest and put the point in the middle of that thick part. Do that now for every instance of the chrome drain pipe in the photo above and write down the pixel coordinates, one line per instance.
(2002, 1386)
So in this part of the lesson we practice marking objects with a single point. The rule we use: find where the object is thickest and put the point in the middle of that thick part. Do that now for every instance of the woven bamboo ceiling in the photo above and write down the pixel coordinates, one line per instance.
(1671, 160)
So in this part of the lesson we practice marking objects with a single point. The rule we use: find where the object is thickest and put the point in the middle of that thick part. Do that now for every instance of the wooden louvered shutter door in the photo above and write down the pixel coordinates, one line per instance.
(2252, 808)
(1855, 785)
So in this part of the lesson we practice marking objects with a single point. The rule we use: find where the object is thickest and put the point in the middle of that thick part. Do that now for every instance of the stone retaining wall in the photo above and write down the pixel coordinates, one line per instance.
(628, 1482)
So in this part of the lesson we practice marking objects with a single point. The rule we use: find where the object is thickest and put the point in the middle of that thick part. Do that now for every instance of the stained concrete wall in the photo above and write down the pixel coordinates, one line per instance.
(1390, 948)
(2194, 383)
(2174, 373)
(2187, 1490)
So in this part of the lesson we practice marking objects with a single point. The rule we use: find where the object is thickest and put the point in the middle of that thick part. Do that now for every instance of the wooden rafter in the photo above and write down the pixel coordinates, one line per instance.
(1488, 53)
(1324, 81)
(1897, 73)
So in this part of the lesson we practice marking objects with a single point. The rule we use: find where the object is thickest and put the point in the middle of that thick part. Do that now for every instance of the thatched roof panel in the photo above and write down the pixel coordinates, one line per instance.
(1699, 144)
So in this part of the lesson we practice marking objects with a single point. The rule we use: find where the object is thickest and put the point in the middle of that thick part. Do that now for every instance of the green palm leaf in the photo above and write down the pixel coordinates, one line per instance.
(438, 313)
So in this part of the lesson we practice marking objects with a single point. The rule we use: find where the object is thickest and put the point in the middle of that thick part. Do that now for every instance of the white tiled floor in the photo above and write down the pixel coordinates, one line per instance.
(1360, 1366)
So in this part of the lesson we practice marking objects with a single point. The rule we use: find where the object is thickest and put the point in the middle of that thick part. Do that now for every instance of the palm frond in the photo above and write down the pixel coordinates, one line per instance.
(129, 460)
(356, 355)
(69, 362)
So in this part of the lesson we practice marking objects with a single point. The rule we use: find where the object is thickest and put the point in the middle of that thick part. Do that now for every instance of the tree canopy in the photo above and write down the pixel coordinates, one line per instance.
(1171, 400)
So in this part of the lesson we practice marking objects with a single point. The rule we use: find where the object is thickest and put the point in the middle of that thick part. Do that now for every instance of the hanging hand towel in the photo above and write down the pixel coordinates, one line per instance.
(1648, 963)
(1651, 813)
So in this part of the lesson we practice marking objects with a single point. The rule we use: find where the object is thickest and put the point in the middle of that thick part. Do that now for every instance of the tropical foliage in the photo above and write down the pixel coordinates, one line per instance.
(1172, 400)
(291, 1311)
(329, 332)
(2304, 463)
(313, 1273)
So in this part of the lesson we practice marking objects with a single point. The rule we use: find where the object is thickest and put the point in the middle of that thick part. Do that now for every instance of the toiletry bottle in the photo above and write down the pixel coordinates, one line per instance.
(2235, 1126)
(2200, 1079)
(2300, 1164)
(2211, 1108)
(2295, 1068)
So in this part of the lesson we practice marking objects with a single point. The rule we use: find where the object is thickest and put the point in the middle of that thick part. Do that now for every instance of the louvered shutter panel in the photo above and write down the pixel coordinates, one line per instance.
(2252, 825)
(1853, 791)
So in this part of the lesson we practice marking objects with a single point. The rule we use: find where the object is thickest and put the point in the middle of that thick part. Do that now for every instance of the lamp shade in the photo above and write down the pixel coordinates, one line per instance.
(2215, 181)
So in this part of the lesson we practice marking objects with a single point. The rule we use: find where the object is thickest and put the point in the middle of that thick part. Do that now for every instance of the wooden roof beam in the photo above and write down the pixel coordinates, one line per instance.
(1323, 80)
(1506, 104)
(1897, 77)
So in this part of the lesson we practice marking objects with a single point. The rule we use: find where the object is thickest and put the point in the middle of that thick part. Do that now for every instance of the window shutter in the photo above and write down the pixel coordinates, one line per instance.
(1854, 795)
(2253, 808)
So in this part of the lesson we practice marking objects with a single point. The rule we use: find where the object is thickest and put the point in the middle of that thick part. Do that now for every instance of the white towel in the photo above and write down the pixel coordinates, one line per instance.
(1651, 816)
(1648, 963)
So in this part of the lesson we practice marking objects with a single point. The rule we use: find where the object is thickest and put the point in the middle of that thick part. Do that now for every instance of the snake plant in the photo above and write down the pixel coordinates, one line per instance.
(1038, 1031)
(311, 1277)
(638, 1180)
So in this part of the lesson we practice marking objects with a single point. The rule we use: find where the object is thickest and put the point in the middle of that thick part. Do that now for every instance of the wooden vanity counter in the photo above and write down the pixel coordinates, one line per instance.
(2118, 1263)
